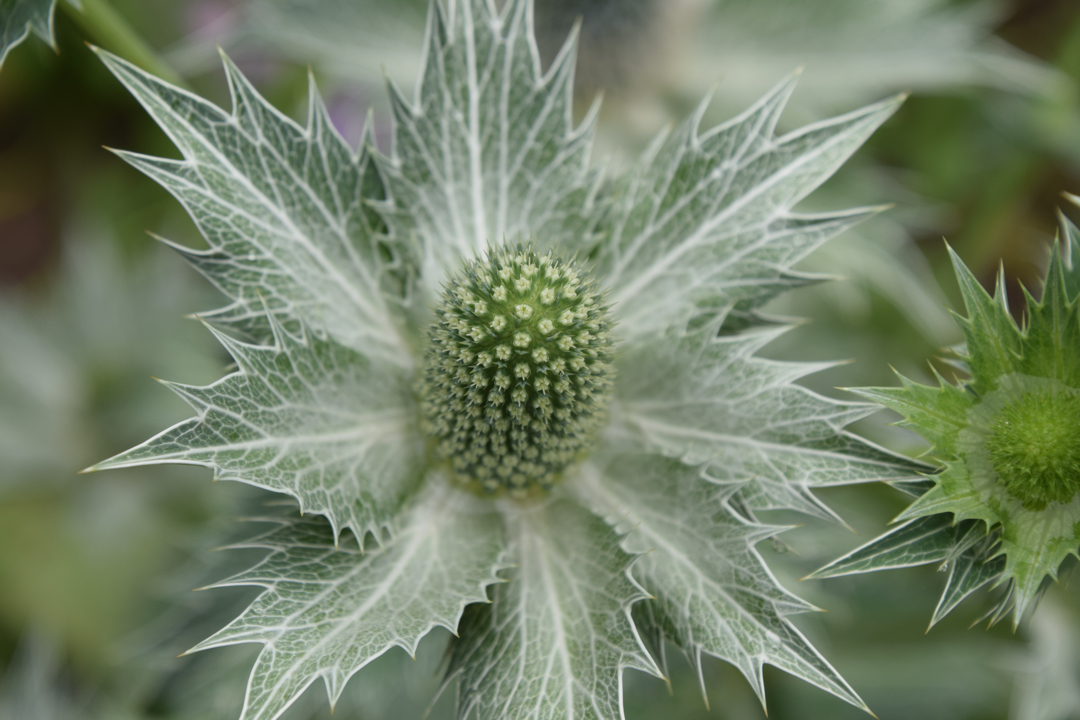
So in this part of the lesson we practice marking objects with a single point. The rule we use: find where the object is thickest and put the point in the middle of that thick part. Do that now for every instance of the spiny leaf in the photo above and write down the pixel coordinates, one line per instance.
(975, 567)
(1052, 329)
(967, 552)
(993, 339)
(711, 592)
(916, 542)
(706, 220)
(306, 417)
(938, 413)
(553, 643)
(952, 493)
(487, 152)
(329, 608)
(704, 398)
(282, 207)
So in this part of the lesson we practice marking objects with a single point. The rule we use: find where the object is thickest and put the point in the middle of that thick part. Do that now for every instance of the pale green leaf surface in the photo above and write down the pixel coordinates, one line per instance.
(1034, 554)
(952, 493)
(965, 551)
(329, 608)
(937, 413)
(707, 220)
(487, 152)
(711, 591)
(704, 398)
(975, 567)
(1052, 330)
(306, 417)
(19, 18)
(994, 342)
(916, 542)
(281, 207)
(553, 643)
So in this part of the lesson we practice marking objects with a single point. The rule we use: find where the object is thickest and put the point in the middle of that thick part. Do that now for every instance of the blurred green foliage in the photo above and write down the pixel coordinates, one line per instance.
(95, 570)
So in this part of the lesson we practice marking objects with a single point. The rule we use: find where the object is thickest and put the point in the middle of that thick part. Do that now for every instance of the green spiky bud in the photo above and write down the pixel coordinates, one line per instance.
(518, 372)
(1008, 442)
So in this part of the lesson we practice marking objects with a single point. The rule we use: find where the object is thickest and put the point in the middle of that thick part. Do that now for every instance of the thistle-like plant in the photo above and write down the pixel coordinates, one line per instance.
(512, 397)
(1004, 507)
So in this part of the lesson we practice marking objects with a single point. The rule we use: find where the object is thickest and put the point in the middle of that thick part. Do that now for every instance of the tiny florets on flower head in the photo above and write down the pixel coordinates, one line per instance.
(517, 374)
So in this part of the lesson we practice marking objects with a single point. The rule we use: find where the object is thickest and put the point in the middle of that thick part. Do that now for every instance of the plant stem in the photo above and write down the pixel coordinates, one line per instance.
(108, 28)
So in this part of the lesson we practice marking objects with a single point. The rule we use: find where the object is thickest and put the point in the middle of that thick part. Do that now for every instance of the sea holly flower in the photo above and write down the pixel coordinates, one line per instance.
(512, 397)
(1004, 509)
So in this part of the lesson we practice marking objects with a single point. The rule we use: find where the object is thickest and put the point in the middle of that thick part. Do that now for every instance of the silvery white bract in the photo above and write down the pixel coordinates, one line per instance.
(332, 262)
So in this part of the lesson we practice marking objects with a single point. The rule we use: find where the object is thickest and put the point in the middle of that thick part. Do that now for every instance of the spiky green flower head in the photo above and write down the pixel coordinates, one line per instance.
(518, 374)
(614, 493)
(1008, 443)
